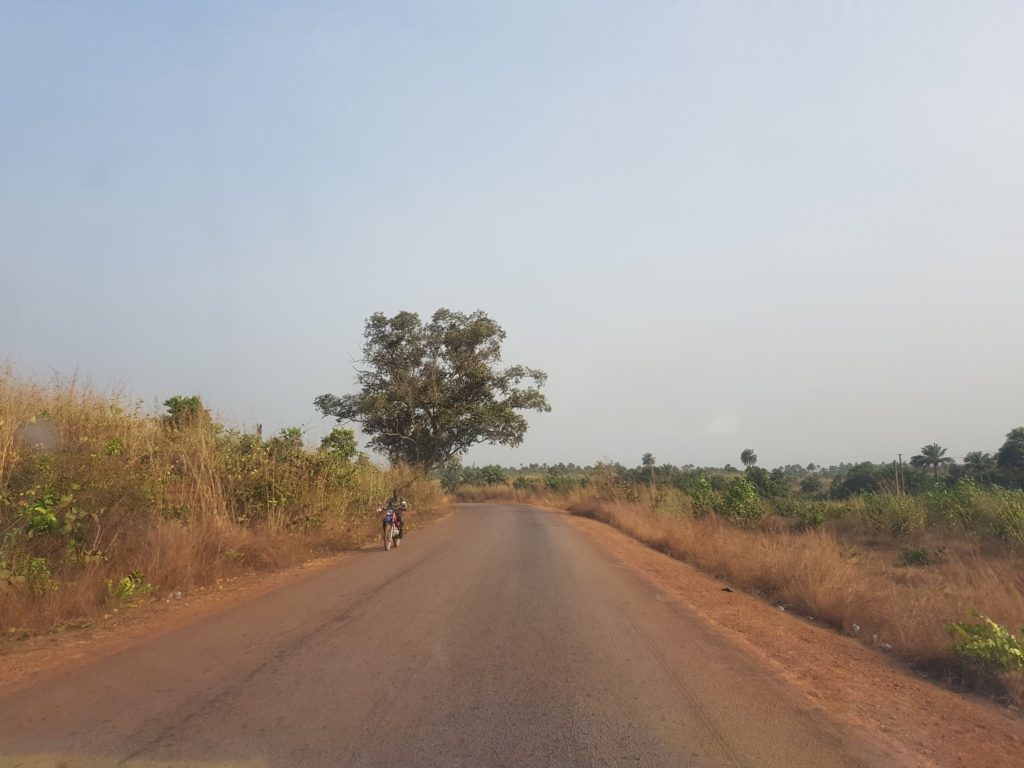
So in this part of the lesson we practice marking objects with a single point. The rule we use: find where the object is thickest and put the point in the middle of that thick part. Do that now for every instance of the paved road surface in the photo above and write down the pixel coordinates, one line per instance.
(496, 637)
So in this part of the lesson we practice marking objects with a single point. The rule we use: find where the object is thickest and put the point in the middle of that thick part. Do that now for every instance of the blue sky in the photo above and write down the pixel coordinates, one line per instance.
(788, 226)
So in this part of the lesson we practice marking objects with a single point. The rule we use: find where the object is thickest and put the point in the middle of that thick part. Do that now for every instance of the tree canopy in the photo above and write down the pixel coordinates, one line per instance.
(932, 455)
(1011, 453)
(429, 392)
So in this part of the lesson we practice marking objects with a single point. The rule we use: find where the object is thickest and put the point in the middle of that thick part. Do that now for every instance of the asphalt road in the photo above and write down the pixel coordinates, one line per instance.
(497, 637)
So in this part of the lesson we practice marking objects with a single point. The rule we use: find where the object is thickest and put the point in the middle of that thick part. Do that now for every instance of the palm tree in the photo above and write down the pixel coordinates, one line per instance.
(647, 461)
(748, 457)
(979, 464)
(931, 456)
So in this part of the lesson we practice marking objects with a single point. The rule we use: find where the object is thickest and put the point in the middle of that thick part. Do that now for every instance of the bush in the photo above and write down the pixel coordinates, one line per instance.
(93, 488)
(523, 484)
(705, 498)
(921, 556)
(899, 515)
(993, 645)
(809, 516)
(1009, 520)
(131, 587)
(958, 505)
(33, 573)
(741, 502)
(40, 514)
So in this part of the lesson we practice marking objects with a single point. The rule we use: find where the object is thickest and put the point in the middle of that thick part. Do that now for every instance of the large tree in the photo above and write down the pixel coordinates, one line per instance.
(429, 392)
(1010, 457)
(1011, 453)
(933, 456)
(748, 457)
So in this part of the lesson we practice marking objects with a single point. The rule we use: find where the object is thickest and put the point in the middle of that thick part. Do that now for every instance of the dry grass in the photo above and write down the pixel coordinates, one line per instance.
(124, 492)
(844, 576)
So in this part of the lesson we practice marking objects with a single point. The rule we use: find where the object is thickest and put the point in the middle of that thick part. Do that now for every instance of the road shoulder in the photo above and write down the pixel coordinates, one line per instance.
(27, 661)
(850, 683)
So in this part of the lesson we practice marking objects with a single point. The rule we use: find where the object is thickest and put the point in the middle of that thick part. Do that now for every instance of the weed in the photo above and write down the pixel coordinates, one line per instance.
(33, 573)
(131, 587)
(993, 645)
(899, 515)
(1009, 520)
(921, 556)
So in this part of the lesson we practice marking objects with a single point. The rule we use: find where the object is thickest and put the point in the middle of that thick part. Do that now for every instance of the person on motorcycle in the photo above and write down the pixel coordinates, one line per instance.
(393, 509)
(396, 502)
(399, 522)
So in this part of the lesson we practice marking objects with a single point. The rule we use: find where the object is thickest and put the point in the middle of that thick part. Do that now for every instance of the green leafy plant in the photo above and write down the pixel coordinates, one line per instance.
(114, 447)
(957, 504)
(741, 502)
(40, 515)
(340, 444)
(1009, 522)
(809, 516)
(993, 645)
(921, 556)
(705, 498)
(523, 484)
(183, 410)
(900, 515)
(131, 587)
(33, 573)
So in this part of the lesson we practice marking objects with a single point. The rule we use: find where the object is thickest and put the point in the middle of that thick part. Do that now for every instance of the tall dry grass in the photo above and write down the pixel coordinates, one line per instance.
(101, 503)
(847, 575)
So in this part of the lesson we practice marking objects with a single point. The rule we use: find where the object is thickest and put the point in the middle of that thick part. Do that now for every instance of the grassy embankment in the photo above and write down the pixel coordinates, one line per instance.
(892, 570)
(102, 505)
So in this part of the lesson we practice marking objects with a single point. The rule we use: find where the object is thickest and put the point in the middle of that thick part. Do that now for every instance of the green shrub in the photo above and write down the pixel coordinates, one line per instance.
(131, 587)
(741, 502)
(705, 498)
(958, 504)
(1008, 524)
(921, 556)
(40, 515)
(341, 444)
(994, 646)
(899, 515)
(32, 573)
(114, 447)
(809, 516)
(185, 410)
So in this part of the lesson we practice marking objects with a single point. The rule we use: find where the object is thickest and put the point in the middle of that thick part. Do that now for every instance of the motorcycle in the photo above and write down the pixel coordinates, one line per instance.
(392, 533)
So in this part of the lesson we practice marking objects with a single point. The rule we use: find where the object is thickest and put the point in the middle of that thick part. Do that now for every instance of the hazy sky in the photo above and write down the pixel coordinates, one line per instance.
(791, 226)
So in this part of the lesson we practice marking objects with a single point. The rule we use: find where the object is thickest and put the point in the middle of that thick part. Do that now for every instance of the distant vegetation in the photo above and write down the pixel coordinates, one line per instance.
(896, 555)
(103, 504)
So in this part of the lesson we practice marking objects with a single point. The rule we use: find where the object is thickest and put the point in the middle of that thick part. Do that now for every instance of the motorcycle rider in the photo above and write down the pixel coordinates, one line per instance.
(394, 509)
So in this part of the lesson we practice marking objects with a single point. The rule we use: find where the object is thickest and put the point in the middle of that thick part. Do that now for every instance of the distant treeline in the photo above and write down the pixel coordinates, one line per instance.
(920, 474)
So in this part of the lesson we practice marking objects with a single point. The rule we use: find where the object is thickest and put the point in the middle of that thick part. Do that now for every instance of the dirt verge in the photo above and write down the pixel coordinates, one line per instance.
(851, 683)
